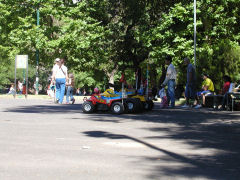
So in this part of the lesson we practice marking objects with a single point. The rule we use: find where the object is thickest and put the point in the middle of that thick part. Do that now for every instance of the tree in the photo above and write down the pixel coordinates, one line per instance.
(102, 38)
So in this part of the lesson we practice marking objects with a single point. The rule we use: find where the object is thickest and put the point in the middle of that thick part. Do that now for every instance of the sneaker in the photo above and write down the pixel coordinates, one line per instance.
(73, 101)
(185, 106)
(57, 101)
(198, 106)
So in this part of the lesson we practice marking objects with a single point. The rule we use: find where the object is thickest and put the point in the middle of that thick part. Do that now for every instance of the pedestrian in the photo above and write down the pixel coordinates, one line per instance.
(225, 90)
(11, 90)
(70, 87)
(51, 89)
(163, 97)
(60, 77)
(78, 92)
(190, 90)
(170, 81)
(20, 87)
(57, 60)
(84, 92)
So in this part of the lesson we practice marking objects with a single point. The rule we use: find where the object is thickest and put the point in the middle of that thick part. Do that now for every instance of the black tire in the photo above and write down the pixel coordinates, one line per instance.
(148, 105)
(139, 105)
(151, 105)
(131, 105)
(117, 108)
(88, 107)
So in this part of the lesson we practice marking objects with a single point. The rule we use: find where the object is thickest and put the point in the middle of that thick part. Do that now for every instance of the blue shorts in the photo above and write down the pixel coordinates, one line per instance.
(204, 92)
(190, 91)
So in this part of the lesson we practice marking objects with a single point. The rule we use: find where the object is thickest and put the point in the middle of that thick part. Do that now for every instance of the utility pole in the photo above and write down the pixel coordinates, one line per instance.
(37, 56)
(195, 31)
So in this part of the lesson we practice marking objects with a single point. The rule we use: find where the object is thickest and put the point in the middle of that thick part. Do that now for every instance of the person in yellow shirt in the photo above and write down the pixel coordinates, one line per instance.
(207, 84)
(207, 89)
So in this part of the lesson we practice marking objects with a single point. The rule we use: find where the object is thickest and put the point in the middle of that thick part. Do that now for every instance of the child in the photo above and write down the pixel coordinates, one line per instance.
(11, 90)
(50, 90)
(70, 86)
(163, 97)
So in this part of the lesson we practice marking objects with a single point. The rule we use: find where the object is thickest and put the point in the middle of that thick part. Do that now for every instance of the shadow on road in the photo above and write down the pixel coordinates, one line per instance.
(45, 109)
(219, 166)
(200, 129)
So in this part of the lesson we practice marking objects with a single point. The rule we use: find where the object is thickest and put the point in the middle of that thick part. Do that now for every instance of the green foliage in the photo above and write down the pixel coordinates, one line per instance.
(102, 38)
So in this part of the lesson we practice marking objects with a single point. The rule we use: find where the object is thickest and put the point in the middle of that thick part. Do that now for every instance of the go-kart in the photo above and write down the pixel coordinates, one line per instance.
(106, 101)
(117, 102)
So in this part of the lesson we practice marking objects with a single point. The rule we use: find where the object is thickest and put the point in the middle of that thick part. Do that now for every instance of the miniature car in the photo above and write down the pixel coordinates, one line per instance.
(106, 101)
(117, 102)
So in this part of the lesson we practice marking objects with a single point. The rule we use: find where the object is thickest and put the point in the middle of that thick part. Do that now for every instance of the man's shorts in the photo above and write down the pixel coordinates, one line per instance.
(206, 93)
(190, 91)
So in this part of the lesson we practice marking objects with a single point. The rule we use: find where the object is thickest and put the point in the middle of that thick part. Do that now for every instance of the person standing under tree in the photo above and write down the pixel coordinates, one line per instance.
(170, 81)
(190, 91)
(20, 87)
(70, 86)
(60, 76)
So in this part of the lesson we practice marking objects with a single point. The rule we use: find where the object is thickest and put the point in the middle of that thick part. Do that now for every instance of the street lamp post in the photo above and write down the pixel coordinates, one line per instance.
(195, 31)
(37, 56)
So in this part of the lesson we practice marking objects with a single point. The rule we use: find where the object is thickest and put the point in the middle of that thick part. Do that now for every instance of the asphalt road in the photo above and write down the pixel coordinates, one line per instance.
(43, 141)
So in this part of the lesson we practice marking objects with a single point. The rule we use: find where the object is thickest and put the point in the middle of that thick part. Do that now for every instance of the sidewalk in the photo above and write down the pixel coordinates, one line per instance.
(30, 96)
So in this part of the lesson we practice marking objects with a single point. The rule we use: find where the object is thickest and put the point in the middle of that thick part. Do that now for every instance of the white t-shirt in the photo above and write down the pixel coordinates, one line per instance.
(60, 72)
(20, 86)
(171, 74)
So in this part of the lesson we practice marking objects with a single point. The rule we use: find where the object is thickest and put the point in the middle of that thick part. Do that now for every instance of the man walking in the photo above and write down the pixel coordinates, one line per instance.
(170, 81)
(190, 91)
(60, 76)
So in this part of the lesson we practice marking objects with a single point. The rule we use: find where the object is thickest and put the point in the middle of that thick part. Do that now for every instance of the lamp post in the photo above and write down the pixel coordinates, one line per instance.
(37, 56)
(195, 31)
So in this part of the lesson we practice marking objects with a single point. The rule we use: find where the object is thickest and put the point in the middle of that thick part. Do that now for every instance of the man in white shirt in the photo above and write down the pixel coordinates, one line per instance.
(20, 87)
(60, 75)
(170, 79)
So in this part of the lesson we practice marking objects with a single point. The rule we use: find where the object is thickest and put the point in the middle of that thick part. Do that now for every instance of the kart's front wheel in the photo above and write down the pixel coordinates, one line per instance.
(117, 108)
(88, 107)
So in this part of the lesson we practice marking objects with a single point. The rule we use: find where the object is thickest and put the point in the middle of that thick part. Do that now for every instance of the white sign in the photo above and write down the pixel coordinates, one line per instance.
(21, 61)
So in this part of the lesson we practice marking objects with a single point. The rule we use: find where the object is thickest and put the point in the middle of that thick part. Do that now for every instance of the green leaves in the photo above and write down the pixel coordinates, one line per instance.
(102, 37)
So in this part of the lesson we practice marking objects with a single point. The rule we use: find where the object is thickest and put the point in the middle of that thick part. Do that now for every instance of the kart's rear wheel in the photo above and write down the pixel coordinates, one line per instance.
(88, 107)
(148, 105)
(151, 105)
(131, 105)
(117, 108)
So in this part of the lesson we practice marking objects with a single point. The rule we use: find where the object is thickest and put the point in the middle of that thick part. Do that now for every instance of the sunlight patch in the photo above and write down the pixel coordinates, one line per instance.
(125, 144)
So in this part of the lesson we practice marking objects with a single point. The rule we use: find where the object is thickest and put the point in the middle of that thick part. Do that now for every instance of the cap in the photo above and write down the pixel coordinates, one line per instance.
(57, 59)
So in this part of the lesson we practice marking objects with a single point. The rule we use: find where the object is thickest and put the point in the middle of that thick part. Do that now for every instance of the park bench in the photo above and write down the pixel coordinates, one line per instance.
(233, 100)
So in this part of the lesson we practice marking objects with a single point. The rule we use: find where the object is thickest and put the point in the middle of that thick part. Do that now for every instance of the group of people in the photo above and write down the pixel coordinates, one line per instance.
(12, 90)
(62, 80)
(82, 92)
(190, 89)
